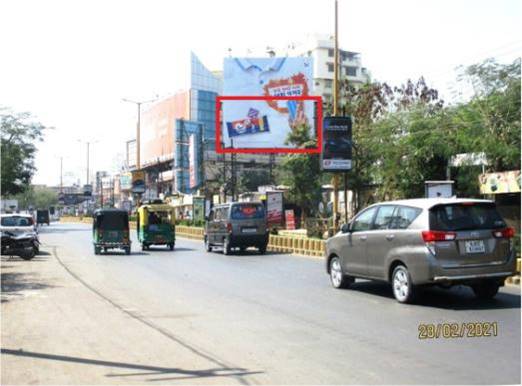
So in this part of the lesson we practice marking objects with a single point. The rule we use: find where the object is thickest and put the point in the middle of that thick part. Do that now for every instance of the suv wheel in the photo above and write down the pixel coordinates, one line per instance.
(486, 290)
(226, 246)
(402, 286)
(208, 247)
(337, 277)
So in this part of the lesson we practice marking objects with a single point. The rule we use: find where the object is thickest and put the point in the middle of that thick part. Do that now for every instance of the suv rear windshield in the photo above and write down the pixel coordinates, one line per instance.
(247, 211)
(465, 216)
(17, 221)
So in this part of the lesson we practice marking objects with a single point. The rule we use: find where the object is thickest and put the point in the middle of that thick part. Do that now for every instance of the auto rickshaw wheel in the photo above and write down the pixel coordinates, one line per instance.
(97, 250)
(171, 246)
(127, 250)
(144, 247)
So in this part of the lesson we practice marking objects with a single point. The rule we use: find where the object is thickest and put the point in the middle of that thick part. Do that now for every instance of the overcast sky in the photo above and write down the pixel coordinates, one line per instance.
(71, 62)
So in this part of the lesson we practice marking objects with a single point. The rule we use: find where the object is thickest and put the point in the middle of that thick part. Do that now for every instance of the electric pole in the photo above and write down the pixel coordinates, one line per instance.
(335, 111)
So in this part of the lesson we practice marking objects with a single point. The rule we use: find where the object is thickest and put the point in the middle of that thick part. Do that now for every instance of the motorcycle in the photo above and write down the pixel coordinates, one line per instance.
(25, 245)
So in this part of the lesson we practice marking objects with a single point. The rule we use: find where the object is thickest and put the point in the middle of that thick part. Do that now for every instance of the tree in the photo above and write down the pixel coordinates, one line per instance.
(301, 172)
(19, 133)
(37, 197)
(251, 180)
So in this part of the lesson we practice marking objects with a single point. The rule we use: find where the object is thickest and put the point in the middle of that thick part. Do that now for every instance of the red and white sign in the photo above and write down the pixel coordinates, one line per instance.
(274, 207)
(290, 219)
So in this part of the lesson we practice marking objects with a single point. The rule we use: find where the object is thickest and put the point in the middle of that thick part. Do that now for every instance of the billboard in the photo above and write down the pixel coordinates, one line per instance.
(265, 123)
(500, 182)
(157, 128)
(337, 144)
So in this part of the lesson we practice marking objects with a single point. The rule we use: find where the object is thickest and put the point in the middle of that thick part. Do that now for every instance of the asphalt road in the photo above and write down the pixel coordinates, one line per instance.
(189, 316)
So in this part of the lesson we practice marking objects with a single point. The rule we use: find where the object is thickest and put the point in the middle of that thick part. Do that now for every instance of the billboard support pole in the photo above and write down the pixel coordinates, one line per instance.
(335, 181)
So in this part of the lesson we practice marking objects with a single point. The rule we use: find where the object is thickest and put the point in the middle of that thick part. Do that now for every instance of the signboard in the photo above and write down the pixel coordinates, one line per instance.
(193, 162)
(438, 189)
(274, 207)
(138, 182)
(290, 219)
(501, 182)
(266, 123)
(87, 190)
(468, 159)
(337, 144)
(198, 210)
(126, 181)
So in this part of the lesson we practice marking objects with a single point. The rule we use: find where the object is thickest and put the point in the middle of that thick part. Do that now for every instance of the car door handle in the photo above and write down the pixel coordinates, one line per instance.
(362, 238)
(390, 237)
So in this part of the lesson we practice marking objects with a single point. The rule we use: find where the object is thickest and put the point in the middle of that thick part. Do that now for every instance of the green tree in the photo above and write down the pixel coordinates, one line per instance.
(251, 180)
(38, 197)
(301, 171)
(19, 133)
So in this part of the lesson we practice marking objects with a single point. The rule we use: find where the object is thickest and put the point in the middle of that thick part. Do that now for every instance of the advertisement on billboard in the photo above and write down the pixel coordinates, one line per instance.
(193, 162)
(266, 123)
(274, 207)
(157, 128)
(337, 144)
(501, 182)
(138, 182)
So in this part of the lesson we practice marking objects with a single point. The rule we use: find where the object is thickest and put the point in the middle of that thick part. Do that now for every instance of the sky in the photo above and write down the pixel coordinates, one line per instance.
(70, 63)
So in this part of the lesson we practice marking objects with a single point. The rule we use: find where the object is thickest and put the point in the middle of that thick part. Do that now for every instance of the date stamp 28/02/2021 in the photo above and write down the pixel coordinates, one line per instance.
(458, 330)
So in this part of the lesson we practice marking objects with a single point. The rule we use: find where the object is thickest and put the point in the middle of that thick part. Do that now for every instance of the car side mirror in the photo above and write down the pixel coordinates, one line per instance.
(345, 228)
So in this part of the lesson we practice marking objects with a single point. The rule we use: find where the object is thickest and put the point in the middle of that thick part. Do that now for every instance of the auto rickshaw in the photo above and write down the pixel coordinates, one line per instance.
(156, 224)
(42, 217)
(110, 230)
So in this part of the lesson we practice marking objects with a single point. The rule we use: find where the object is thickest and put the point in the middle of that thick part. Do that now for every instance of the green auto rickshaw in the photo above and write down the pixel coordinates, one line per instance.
(110, 230)
(156, 224)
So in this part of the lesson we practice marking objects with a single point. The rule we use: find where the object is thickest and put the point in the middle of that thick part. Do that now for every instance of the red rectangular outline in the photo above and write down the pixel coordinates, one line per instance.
(319, 124)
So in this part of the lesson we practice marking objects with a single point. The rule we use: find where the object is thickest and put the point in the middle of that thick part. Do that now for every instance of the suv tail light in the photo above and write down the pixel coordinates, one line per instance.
(430, 236)
(229, 227)
(506, 233)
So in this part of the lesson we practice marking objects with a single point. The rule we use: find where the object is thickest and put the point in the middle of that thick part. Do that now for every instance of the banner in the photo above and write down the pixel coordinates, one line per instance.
(266, 123)
(193, 162)
(274, 207)
(500, 182)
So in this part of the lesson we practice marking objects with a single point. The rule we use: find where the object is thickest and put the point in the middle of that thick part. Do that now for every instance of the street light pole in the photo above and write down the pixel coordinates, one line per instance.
(88, 153)
(138, 128)
(335, 111)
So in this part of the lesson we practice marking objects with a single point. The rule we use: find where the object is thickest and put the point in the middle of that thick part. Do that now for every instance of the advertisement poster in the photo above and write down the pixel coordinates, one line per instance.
(257, 123)
(193, 162)
(337, 144)
(290, 219)
(501, 182)
(138, 182)
(274, 207)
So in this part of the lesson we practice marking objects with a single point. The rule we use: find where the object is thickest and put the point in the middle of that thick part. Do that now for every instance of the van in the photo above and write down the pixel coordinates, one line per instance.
(236, 225)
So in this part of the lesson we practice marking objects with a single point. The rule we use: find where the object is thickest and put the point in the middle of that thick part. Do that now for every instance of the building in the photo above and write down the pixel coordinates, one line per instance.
(321, 49)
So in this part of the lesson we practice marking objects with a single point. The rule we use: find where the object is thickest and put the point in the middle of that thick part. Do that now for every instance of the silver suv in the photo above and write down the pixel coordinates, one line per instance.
(416, 242)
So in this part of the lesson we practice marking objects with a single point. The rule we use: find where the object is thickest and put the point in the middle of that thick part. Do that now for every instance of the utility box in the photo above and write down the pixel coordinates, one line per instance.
(438, 189)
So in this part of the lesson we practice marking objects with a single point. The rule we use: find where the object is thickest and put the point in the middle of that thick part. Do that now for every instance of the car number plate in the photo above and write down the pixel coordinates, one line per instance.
(113, 234)
(249, 230)
(475, 246)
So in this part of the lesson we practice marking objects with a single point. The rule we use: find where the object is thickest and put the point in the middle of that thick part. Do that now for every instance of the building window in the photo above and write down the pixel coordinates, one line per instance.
(351, 71)
(343, 55)
(331, 52)
(330, 67)
(328, 83)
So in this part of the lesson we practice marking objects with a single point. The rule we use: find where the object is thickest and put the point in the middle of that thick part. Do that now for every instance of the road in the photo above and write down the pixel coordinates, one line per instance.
(188, 316)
